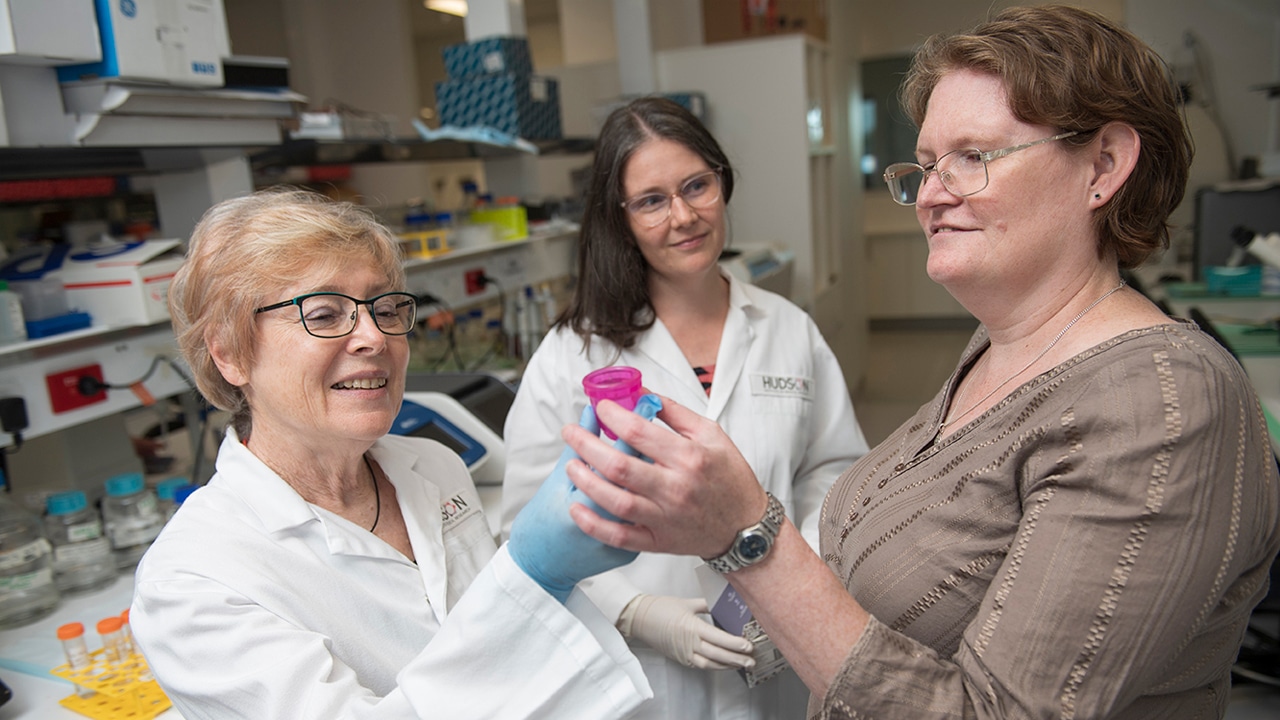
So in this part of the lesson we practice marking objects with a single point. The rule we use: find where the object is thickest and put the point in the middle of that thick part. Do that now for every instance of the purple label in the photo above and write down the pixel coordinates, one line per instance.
(730, 612)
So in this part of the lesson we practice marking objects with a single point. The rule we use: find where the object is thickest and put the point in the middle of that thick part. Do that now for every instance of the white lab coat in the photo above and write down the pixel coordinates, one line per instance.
(778, 392)
(253, 603)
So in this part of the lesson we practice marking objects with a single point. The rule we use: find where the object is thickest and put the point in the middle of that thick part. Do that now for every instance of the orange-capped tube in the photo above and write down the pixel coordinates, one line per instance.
(77, 652)
(126, 632)
(109, 629)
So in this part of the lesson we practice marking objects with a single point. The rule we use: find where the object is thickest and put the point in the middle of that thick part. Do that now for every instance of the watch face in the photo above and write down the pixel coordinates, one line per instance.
(753, 547)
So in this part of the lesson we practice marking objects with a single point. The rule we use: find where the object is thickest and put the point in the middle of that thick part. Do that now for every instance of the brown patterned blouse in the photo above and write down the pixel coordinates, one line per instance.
(1089, 547)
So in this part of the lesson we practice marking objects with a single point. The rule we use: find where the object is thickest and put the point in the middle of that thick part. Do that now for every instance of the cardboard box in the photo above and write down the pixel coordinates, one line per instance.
(727, 20)
(49, 32)
(125, 284)
(526, 107)
(489, 56)
(180, 42)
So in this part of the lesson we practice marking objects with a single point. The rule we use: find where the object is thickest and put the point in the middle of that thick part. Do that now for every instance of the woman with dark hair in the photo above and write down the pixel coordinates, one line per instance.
(1081, 521)
(651, 295)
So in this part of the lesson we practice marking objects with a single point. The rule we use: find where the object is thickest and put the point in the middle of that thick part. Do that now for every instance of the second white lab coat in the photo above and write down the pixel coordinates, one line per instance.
(253, 603)
(779, 394)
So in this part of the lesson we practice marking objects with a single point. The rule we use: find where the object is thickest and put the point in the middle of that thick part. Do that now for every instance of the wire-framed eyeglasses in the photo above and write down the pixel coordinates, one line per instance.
(653, 209)
(334, 315)
(962, 172)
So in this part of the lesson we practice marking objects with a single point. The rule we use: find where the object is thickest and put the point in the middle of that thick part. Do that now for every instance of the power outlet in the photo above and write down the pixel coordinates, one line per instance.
(64, 388)
(475, 281)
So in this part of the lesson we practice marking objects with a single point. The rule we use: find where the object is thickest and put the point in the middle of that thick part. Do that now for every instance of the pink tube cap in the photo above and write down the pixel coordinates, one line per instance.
(618, 383)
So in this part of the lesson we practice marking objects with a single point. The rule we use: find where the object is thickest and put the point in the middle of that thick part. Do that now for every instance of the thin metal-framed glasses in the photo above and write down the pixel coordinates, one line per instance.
(652, 209)
(334, 315)
(962, 172)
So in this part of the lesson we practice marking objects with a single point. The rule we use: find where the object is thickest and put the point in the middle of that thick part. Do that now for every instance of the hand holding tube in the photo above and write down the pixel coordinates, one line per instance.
(691, 498)
(546, 544)
(674, 626)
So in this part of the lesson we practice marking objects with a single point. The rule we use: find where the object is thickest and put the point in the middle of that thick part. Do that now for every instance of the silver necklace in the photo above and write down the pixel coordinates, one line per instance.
(943, 426)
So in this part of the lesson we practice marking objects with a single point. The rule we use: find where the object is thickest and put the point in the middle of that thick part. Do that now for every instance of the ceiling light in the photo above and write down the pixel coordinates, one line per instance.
(453, 7)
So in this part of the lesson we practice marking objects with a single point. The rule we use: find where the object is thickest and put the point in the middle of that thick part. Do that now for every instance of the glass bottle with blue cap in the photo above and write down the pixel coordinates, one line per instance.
(132, 516)
(82, 559)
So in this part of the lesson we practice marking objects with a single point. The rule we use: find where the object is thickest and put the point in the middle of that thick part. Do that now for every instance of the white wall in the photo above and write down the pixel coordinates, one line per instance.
(1239, 46)
(586, 31)
(1239, 42)
(897, 28)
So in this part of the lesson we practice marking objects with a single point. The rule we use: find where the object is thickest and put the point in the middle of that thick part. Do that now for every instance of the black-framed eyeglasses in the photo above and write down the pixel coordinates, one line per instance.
(333, 315)
(962, 172)
(652, 209)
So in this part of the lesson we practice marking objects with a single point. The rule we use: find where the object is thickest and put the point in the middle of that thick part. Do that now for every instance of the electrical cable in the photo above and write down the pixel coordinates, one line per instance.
(89, 385)
(448, 332)
(503, 340)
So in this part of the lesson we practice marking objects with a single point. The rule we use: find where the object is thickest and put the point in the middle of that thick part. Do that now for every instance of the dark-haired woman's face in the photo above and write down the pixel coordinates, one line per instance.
(686, 241)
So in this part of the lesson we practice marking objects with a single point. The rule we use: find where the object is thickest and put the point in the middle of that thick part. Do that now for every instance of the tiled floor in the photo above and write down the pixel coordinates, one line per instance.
(905, 369)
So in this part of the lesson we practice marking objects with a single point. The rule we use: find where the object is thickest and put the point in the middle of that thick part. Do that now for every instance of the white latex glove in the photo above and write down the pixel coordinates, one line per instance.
(672, 626)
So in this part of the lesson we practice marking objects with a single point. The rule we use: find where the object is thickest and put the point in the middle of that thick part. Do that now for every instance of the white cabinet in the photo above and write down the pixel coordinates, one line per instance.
(768, 105)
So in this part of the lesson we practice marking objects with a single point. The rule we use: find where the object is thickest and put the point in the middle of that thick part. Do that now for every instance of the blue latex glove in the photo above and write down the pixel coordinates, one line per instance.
(545, 542)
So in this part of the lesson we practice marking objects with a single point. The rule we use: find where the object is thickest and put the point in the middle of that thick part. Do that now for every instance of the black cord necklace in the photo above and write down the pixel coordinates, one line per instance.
(377, 496)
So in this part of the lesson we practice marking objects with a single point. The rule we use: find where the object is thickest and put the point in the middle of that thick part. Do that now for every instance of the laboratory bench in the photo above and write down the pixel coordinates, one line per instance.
(1247, 325)
(29, 652)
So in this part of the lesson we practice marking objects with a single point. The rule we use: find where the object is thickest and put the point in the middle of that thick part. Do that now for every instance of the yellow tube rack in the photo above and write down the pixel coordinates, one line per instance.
(122, 691)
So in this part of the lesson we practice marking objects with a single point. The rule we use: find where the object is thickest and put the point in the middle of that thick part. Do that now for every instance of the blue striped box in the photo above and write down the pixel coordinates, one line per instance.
(489, 56)
(527, 107)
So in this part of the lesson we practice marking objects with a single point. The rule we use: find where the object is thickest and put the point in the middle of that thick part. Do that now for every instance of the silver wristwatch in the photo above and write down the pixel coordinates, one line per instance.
(753, 543)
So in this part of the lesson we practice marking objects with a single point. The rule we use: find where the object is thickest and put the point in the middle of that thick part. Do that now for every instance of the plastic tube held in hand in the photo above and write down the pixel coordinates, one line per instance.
(619, 383)
(545, 542)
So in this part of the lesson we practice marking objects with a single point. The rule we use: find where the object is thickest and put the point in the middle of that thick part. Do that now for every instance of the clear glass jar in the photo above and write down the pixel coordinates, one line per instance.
(166, 491)
(132, 516)
(27, 592)
(82, 559)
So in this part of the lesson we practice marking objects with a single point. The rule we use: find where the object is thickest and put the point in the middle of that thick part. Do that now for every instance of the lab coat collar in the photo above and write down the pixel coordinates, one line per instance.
(735, 341)
(275, 503)
(280, 508)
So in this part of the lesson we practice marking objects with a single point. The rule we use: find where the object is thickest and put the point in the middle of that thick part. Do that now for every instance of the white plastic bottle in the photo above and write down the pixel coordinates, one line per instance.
(82, 559)
(132, 517)
(27, 592)
(13, 328)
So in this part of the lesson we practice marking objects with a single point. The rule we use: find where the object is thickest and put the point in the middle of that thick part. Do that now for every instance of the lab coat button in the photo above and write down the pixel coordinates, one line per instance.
(866, 501)
(882, 483)
(899, 467)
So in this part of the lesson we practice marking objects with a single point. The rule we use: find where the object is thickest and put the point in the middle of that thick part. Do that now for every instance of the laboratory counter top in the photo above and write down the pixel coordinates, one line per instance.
(29, 652)
(1247, 325)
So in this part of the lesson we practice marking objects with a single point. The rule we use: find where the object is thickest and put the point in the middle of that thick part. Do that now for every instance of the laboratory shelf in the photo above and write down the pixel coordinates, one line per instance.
(292, 153)
(31, 163)
(73, 340)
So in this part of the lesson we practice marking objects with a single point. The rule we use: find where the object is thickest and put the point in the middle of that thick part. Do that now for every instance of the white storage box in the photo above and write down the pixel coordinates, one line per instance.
(48, 32)
(181, 42)
(125, 284)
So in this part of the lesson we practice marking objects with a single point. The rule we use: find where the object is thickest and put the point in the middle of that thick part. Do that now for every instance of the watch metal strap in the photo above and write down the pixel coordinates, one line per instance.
(771, 524)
